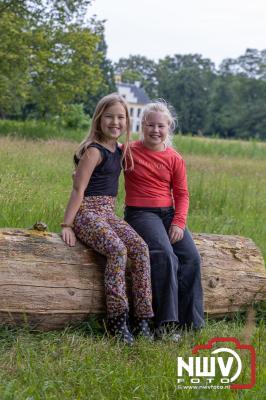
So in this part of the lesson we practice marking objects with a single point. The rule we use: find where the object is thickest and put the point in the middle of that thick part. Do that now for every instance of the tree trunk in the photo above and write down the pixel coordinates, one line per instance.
(48, 285)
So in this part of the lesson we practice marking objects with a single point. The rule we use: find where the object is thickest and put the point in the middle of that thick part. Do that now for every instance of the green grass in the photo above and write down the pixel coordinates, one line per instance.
(33, 129)
(74, 364)
(223, 148)
(227, 196)
(228, 191)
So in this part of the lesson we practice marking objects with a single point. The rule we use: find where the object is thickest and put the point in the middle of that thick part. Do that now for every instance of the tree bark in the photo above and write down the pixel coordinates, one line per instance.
(49, 285)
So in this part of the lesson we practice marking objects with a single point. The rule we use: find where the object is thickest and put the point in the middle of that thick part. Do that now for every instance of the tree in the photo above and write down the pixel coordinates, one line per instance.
(54, 55)
(223, 107)
(237, 107)
(138, 68)
(252, 65)
(185, 81)
(107, 82)
(59, 12)
(65, 65)
(252, 115)
(14, 62)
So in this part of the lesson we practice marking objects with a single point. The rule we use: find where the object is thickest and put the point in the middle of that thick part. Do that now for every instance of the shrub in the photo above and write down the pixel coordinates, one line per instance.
(74, 117)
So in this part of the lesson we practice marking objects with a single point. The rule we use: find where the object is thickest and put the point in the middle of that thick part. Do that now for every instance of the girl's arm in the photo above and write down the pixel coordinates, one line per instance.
(181, 200)
(86, 166)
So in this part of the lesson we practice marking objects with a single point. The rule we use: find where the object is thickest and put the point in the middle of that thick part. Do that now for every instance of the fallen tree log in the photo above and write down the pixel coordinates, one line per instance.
(49, 285)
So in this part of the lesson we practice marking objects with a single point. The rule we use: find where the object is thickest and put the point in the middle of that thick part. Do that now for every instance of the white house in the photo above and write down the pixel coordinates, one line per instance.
(136, 98)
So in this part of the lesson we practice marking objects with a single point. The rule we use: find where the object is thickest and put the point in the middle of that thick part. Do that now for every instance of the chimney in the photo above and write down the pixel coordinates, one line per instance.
(118, 79)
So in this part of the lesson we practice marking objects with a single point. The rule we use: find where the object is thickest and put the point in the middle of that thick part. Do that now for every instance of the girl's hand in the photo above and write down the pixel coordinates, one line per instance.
(175, 234)
(68, 236)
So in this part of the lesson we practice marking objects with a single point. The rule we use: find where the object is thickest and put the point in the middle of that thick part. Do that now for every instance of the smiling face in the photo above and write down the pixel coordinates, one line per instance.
(113, 122)
(155, 130)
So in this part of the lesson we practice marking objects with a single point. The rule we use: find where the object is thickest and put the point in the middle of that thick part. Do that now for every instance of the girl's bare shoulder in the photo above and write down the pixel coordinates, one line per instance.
(91, 155)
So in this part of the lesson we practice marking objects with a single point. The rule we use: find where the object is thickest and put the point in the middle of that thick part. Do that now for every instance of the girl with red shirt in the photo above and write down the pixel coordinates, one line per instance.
(157, 201)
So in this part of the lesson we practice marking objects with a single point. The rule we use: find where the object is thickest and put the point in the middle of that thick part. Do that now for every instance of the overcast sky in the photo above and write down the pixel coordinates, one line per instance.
(216, 29)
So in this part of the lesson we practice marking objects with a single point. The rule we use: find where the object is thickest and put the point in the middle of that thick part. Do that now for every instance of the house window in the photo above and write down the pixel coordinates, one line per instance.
(139, 111)
(137, 128)
(131, 111)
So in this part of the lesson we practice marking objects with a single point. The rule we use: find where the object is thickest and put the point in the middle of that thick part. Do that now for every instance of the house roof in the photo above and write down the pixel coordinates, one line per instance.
(138, 92)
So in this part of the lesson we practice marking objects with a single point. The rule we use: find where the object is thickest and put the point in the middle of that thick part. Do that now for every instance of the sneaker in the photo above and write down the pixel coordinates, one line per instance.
(167, 333)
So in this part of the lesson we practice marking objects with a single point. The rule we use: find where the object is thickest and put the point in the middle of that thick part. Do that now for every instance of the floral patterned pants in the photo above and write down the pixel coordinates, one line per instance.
(97, 226)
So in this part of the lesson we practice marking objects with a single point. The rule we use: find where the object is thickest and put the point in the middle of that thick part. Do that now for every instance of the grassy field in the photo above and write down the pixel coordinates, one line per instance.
(227, 184)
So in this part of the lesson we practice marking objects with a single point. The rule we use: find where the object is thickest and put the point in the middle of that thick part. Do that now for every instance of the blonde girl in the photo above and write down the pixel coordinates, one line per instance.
(157, 201)
(90, 217)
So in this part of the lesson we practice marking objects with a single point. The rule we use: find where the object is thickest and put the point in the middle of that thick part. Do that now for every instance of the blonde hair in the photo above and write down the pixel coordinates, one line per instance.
(161, 106)
(95, 132)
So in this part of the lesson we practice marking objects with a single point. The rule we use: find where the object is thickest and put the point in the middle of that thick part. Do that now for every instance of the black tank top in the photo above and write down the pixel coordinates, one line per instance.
(105, 177)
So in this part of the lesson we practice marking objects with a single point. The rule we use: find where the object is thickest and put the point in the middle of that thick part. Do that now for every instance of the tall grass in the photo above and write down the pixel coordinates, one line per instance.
(187, 144)
(228, 194)
(33, 129)
(219, 147)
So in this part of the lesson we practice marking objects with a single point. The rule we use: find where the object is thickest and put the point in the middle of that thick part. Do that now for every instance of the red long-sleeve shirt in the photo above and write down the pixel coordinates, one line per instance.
(158, 180)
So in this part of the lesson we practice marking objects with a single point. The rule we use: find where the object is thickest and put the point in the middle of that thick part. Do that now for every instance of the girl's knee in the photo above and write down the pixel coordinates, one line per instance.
(195, 259)
(145, 248)
(118, 249)
(140, 247)
(164, 259)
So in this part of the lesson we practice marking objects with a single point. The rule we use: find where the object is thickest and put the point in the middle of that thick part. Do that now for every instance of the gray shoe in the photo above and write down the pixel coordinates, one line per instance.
(167, 333)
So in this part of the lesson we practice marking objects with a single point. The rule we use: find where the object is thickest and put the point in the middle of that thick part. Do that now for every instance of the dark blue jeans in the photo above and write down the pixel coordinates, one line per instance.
(175, 268)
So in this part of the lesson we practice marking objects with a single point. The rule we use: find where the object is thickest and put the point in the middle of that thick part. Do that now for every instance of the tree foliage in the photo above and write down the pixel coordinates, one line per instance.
(185, 81)
(108, 79)
(14, 62)
(53, 57)
(251, 65)
(229, 101)
(138, 68)
(65, 65)
(59, 12)
(49, 56)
